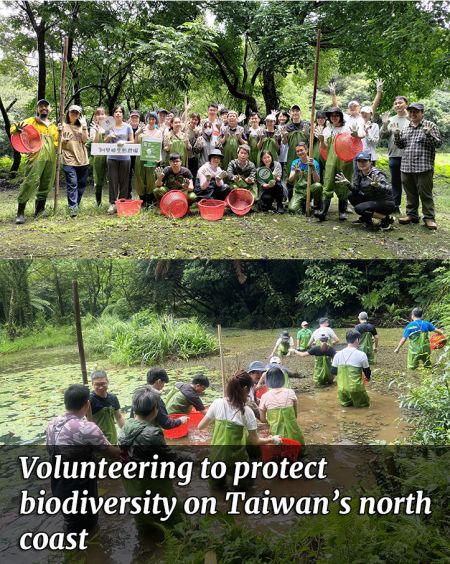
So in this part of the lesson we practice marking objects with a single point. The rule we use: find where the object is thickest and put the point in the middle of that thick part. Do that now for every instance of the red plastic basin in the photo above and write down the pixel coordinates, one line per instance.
(174, 204)
(177, 432)
(347, 147)
(240, 201)
(212, 210)
(289, 449)
(128, 207)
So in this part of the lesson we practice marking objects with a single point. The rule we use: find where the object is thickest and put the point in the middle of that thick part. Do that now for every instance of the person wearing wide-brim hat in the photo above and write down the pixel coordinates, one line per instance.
(419, 140)
(370, 193)
(40, 167)
(334, 165)
(209, 183)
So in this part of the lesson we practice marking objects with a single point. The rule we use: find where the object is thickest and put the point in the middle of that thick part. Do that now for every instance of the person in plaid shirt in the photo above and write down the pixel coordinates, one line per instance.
(419, 141)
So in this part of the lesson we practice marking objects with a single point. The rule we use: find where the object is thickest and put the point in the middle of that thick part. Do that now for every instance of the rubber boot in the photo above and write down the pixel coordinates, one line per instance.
(322, 214)
(20, 219)
(40, 207)
(342, 210)
(98, 198)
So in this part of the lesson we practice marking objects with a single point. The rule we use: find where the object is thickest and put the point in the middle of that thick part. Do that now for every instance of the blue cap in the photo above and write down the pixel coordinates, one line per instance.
(364, 156)
(257, 366)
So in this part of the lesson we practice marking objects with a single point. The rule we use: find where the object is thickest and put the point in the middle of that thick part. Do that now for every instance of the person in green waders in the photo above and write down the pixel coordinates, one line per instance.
(105, 407)
(234, 425)
(283, 344)
(177, 141)
(139, 441)
(349, 365)
(231, 137)
(334, 165)
(416, 333)
(320, 123)
(294, 132)
(40, 167)
(254, 135)
(323, 354)
(278, 407)
(241, 171)
(145, 171)
(299, 178)
(303, 337)
(183, 397)
(369, 337)
(99, 164)
(270, 139)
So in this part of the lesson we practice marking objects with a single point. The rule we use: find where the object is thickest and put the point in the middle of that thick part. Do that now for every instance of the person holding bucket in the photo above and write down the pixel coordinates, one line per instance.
(416, 333)
(349, 365)
(278, 407)
(40, 167)
(209, 183)
(75, 157)
(242, 172)
(234, 425)
(323, 354)
(335, 165)
(183, 397)
(268, 177)
(174, 177)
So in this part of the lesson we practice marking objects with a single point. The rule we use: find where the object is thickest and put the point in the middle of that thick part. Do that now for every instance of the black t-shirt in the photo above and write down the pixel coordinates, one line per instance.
(316, 351)
(366, 328)
(175, 181)
(98, 403)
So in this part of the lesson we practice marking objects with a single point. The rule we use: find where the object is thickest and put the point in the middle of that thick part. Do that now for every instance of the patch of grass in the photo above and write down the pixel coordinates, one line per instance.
(48, 337)
(148, 338)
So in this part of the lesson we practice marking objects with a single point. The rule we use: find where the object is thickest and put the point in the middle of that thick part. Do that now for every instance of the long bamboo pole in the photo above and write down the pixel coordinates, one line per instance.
(76, 310)
(61, 117)
(311, 131)
(222, 366)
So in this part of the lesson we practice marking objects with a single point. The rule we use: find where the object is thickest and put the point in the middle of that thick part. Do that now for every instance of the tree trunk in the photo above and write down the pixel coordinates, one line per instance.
(42, 72)
(70, 60)
(7, 125)
(269, 91)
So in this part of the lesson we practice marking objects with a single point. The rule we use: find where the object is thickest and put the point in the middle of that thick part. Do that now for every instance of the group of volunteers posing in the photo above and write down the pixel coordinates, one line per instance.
(208, 157)
(262, 392)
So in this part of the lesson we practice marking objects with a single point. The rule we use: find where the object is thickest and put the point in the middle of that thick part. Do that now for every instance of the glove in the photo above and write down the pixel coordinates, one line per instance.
(21, 125)
(385, 118)
(159, 171)
(222, 175)
(354, 132)
(183, 419)
(121, 143)
(340, 179)
(208, 176)
(276, 440)
(310, 161)
(241, 118)
(60, 126)
(427, 129)
(67, 136)
(332, 87)
(83, 122)
(379, 84)
(374, 181)
(271, 183)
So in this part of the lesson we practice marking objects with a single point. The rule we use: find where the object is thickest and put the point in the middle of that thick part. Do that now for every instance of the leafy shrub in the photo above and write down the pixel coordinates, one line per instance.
(148, 338)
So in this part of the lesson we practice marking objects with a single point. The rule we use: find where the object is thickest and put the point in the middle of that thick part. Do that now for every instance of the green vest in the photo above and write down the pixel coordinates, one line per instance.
(303, 336)
(105, 420)
(366, 346)
(419, 350)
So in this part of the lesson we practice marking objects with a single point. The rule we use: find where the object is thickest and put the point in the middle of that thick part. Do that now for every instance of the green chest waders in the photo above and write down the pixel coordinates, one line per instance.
(283, 349)
(366, 346)
(179, 146)
(419, 350)
(145, 177)
(230, 151)
(105, 420)
(254, 151)
(269, 144)
(322, 371)
(282, 421)
(228, 445)
(176, 402)
(294, 138)
(335, 165)
(100, 171)
(39, 172)
(351, 390)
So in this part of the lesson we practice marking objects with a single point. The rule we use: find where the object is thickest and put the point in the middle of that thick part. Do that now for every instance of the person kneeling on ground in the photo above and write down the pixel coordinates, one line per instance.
(299, 178)
(268, 177)
(185, 396)
(242, 172)
(371, 194)
(209, 183)
(349, 365)
(174, 177)
(278, 407)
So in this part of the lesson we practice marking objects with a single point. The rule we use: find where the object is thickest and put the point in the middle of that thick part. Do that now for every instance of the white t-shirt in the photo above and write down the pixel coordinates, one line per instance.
(279, 397)
(328, 331)
(222, 410)
(207, 168)
(331, 130)
(351, 121)
(371, 139)
(351, 357)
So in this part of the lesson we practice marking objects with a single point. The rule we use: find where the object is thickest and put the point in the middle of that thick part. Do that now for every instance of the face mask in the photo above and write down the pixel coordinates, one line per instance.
(208, 131)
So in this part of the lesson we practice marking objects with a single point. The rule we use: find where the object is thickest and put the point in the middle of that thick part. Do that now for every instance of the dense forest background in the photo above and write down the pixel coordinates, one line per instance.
(249, 55)
(246, 294)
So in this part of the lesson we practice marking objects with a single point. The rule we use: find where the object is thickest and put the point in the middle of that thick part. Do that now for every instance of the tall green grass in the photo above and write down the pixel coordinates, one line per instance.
(148, 338)
(45, 338)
